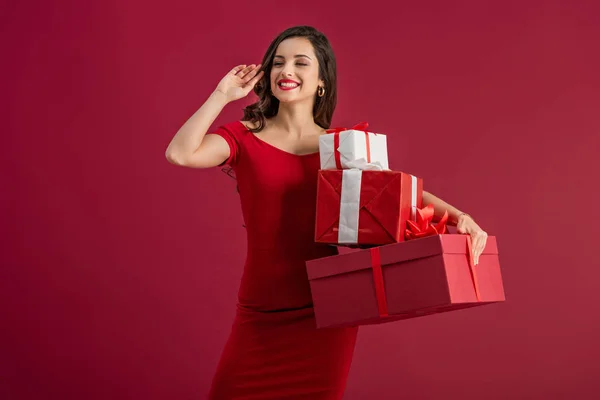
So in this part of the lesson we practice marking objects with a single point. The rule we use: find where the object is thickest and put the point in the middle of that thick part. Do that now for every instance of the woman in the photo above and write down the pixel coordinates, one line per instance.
(274, 350)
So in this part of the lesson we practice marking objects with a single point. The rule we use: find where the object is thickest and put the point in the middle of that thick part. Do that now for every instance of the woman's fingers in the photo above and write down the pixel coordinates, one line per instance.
(474, 253)
(238, 68)
(474, 248)
(251, 74)
(254, 80)
(244, 72)
(482, 244)
(479, 241)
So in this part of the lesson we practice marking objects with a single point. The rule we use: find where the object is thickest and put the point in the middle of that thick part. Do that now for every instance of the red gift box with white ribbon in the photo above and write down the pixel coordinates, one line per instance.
(365, 207)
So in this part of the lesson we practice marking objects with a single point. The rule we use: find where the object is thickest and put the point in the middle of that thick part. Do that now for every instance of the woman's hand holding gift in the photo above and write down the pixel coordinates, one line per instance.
(466, 225)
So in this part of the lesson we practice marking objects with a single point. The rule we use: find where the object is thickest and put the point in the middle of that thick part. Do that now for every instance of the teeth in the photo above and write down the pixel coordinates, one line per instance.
(287, 84)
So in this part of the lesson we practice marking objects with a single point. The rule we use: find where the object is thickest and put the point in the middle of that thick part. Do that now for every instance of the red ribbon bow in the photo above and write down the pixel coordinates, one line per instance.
(423, 227)
(361, 126)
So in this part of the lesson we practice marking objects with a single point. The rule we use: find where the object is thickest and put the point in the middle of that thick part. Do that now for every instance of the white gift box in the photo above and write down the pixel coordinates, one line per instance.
(353, 147)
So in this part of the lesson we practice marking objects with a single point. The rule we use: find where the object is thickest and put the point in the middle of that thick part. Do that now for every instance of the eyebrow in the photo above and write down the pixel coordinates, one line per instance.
(296, 56)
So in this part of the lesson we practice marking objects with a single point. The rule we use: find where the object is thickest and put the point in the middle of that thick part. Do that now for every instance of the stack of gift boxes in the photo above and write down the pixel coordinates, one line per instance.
(411, 267)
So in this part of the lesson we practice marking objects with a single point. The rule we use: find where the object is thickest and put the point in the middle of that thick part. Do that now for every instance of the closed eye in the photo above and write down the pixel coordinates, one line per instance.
(278, 64)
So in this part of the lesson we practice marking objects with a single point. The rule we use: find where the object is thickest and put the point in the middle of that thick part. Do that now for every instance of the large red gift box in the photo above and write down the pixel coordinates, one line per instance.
(365, 207)
(403, 280)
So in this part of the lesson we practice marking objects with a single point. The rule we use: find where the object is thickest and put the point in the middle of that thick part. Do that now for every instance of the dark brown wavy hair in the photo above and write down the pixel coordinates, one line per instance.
(267, 105)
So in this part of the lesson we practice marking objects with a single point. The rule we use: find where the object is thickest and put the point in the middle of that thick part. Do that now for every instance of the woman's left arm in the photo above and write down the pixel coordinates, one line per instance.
(464, 223)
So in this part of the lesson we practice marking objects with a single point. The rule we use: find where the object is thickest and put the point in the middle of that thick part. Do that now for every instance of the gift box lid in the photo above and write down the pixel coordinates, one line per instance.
(395, 253)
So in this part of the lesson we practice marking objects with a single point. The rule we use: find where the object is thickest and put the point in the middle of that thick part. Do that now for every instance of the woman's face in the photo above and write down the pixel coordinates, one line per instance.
(295, 71)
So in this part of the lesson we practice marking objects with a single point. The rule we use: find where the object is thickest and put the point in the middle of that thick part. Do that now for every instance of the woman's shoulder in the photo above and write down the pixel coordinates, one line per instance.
(239, 129)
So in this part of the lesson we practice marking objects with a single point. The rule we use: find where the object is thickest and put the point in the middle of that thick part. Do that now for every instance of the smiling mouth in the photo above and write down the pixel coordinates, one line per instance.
(288, 85)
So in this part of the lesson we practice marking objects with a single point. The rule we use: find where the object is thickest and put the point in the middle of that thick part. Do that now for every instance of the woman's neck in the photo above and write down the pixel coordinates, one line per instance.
(296, 119)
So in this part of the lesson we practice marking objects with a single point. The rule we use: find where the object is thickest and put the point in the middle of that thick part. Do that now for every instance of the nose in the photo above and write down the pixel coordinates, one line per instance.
(286, 71)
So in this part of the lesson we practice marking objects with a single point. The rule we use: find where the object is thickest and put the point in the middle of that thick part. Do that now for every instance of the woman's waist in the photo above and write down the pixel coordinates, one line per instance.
(290, 251)
(270, 284)
(276, 314)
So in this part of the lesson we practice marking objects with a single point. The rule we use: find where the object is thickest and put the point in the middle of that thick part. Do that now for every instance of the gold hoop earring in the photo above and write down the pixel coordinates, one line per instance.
(321, 91)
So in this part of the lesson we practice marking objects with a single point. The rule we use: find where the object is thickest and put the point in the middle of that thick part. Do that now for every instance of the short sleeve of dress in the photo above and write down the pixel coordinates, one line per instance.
(230, 133)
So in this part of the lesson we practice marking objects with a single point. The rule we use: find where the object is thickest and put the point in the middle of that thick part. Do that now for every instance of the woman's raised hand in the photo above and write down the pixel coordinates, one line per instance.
(239, 81)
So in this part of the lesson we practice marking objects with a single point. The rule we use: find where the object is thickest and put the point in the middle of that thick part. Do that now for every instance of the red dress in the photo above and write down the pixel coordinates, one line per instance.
(274, 350)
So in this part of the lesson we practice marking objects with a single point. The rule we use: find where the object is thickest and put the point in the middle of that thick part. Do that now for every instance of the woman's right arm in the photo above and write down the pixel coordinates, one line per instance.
(192, 146)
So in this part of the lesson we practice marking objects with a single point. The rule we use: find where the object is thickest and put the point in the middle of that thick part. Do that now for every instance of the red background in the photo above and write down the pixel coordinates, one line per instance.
(119, 271)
